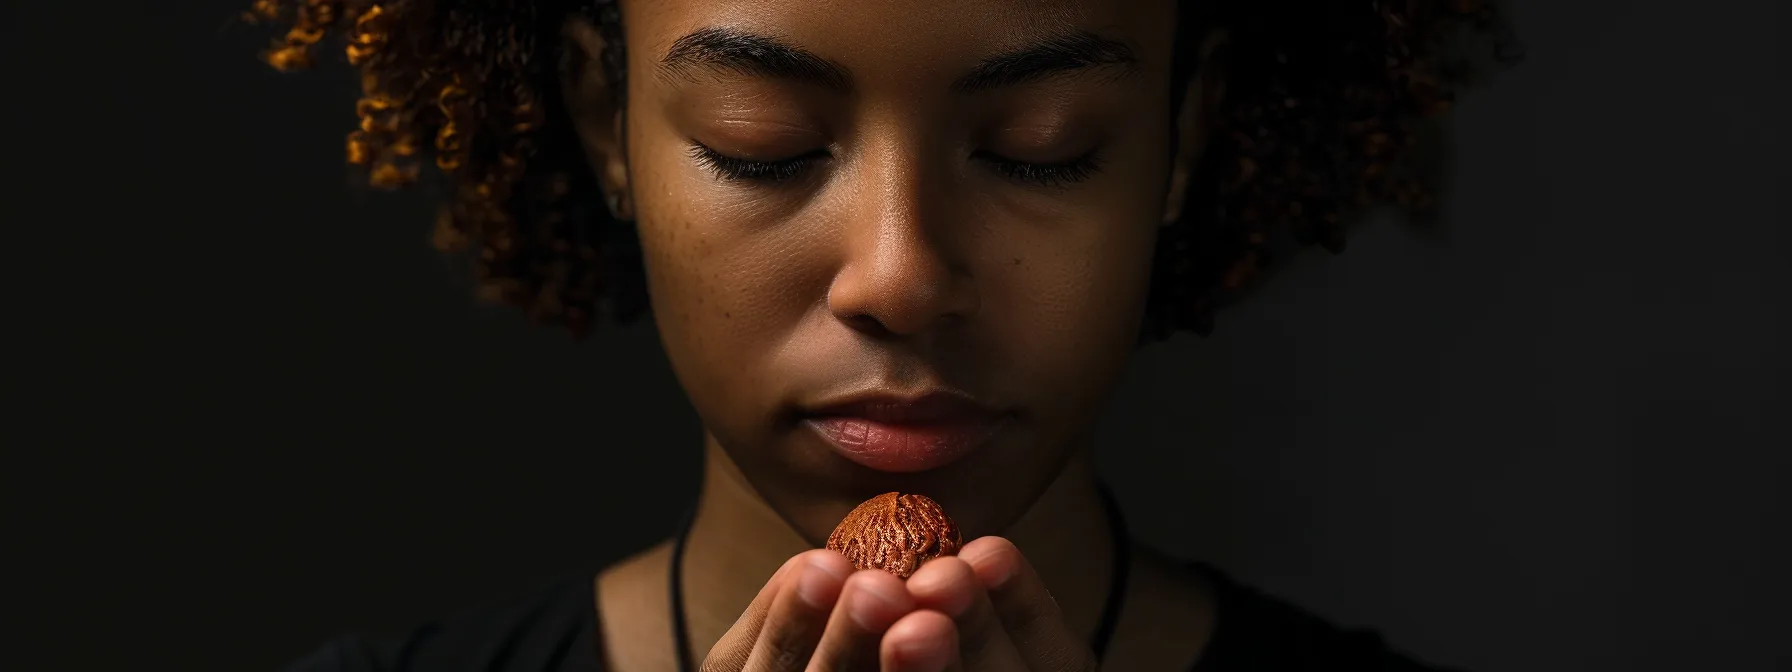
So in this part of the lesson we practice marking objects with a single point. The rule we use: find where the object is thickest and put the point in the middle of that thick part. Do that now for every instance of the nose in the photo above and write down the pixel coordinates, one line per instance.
(903, 271)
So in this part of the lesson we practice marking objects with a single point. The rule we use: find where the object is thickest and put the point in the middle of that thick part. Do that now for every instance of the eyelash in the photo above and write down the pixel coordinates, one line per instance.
(1056, 174)
(1053, 175)
(745, 170)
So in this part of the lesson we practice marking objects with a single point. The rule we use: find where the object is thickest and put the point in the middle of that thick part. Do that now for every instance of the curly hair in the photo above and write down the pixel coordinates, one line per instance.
(1323, 117)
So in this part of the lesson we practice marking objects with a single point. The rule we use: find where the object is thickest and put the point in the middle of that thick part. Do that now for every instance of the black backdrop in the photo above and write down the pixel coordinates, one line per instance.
(252, 409)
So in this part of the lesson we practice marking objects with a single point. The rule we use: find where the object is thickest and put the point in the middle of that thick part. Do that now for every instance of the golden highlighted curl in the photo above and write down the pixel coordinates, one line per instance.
(464, 88)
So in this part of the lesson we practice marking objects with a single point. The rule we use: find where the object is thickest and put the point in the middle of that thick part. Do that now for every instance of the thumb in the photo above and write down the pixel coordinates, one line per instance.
(732, 650)
(1025, 607)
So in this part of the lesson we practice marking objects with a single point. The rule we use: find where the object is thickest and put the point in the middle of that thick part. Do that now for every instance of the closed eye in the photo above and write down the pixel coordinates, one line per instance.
(737, 169)
(1053, 174)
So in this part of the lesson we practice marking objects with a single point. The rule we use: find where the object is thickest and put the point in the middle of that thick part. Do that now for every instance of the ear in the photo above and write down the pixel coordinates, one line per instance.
(1196, 121)
(597, 108)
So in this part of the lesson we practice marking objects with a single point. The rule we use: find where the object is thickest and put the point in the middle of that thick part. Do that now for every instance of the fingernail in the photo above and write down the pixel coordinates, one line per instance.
(921, 655)
(994, 575)
(871, 607)
(1000, 578)
(816, 584)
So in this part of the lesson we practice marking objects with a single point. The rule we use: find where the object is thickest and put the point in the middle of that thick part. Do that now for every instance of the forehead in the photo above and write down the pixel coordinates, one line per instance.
(905, 42)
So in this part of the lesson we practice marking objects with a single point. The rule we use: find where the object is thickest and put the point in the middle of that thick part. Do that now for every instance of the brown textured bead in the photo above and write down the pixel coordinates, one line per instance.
(895, 532)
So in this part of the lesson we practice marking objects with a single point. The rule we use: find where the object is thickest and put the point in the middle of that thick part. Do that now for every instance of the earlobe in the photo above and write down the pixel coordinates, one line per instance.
(620, 208)
(597, 109)
(1195, 122)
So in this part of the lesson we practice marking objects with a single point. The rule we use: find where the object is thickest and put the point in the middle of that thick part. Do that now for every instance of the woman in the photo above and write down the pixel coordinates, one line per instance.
(889, 246)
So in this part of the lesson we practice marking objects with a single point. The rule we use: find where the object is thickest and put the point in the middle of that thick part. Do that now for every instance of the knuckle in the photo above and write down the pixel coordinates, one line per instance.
(1029, 617)
(789, 645)
(787, 659)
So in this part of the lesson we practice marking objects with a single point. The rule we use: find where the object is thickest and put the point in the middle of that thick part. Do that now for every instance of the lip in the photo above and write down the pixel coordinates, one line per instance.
(905, 433)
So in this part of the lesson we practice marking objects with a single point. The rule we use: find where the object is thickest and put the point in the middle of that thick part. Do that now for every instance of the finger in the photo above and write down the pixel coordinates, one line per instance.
(870, 603)
(922, 641)
(1026, 609)
(731, 651)
(949, 585)
(799, 613)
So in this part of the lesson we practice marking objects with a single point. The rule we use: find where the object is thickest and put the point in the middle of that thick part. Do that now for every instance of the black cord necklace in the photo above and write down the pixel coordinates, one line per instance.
(1104, 629)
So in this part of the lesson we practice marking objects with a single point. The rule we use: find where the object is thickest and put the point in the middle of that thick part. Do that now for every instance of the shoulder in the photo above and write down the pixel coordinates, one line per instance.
(1255, 631)
(546, 631)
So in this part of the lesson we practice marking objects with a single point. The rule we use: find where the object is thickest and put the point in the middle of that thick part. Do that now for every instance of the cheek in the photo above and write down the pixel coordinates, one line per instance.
(1068, 314)
(723, 292)
(1068, 303)
(1090, 299)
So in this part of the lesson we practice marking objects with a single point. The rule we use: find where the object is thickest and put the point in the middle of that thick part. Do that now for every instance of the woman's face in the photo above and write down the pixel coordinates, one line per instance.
(898, 245)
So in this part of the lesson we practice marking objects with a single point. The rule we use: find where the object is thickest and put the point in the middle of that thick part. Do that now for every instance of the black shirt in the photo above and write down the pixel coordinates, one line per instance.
(555, 631)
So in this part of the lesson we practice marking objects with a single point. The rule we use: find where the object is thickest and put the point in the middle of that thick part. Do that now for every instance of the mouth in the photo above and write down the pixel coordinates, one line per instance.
(905, 434)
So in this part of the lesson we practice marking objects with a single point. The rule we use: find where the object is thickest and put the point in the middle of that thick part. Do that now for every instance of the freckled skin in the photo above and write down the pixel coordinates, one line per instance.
(898, 259)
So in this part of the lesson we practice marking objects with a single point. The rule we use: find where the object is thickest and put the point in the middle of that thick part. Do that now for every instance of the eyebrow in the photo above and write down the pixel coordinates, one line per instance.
(749, 54)
(756, 55)
(1057, 56)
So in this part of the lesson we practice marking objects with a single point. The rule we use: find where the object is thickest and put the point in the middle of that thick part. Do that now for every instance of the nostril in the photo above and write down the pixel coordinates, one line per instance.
(899, 294)
(866, 323)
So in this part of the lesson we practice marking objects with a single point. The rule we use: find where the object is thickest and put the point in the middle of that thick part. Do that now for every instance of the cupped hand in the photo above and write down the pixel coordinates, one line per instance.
(816, 613)
(985, 609)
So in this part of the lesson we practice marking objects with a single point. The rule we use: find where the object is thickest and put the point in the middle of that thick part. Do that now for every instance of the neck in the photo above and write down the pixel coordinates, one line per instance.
(737, 541)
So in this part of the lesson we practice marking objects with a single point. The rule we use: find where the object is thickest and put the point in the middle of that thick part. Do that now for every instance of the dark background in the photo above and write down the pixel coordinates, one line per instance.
(253, 409)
